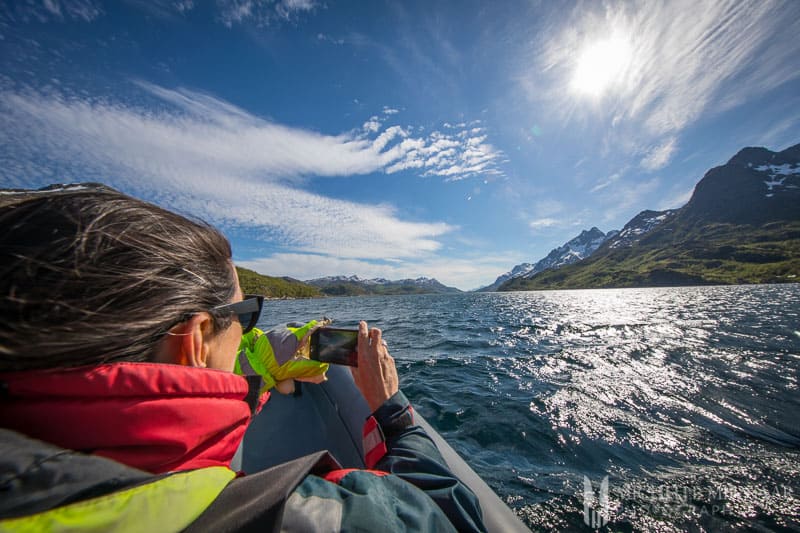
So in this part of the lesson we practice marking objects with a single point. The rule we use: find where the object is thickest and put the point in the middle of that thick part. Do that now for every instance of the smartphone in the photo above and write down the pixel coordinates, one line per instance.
(334, 345)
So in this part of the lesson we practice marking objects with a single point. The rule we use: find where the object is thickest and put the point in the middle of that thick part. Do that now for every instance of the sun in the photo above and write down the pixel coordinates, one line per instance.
(601, 65)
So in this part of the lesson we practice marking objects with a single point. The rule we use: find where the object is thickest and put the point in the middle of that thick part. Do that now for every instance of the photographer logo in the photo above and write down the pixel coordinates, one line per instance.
(595, 507)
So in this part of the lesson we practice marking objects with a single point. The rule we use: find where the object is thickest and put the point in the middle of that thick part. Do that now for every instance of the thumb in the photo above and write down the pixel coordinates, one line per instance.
(285, 386)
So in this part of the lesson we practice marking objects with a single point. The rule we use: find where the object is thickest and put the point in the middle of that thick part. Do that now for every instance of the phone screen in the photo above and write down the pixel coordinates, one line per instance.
(337, 346)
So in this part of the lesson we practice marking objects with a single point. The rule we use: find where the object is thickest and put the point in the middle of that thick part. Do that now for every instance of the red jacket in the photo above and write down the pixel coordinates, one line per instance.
(151, 416)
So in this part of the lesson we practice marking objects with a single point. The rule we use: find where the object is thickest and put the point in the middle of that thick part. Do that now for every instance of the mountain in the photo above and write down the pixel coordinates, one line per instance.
(518, 271)
(638, 227)
(755, 187)
(254, 283)
(741, 225)
(355, 286)
(573, 251)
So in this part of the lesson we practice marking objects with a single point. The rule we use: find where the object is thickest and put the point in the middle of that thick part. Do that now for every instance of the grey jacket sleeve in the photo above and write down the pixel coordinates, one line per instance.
(413, 456)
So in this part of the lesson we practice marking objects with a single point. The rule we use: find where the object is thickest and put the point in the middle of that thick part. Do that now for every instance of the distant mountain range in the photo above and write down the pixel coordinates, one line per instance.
(741, 225)
(573, 251)
(355, 286)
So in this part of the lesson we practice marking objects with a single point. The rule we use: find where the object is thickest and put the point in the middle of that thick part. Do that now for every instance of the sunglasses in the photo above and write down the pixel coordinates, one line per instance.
(247, 312)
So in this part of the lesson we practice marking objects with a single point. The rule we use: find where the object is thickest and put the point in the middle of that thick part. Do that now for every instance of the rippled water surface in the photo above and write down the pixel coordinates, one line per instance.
(686, 398)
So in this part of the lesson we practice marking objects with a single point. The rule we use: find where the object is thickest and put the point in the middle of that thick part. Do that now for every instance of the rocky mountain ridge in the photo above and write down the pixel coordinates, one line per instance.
(741, 225)
(574, 250)
(354, 285)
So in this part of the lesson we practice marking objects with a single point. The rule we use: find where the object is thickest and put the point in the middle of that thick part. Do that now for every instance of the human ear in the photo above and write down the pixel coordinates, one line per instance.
(190, 345)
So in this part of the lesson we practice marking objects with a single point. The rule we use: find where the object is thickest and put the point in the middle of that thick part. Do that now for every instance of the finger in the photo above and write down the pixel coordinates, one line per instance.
(286, 386)
(375, 337)
(380, 345)
(363, 338)
(362, 348)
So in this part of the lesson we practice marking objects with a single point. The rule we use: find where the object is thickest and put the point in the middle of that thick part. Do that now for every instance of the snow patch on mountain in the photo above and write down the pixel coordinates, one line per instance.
(639, 226)
(778, 175)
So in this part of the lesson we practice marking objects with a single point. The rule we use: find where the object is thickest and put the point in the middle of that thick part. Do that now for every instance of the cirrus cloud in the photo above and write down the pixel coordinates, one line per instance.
(686, 60)
(201, 155)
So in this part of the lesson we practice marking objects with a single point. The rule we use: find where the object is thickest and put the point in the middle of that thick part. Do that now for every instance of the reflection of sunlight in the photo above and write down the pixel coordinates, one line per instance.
(600, 64)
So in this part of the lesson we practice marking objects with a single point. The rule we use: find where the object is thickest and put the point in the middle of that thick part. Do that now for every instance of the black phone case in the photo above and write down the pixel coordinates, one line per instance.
(341, 352)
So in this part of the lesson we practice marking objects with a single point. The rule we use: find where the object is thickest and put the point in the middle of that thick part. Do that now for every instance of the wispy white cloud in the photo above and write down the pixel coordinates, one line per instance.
(211, 135)
(607, 182)
(454, 155)
(290, 6)
(781, 133)
(229, 12)
(330, 39)
(543, 223)
(548, 214)
(52, 10)
(659, 156)
(184, 5)
(685, 59)
(676, 200)
(372, 125)
(261, 12)
(623, 197)
(548, 207)
(210, 158)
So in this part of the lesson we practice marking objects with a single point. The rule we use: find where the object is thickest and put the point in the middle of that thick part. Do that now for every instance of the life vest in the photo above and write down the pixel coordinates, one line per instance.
(46, 488)
(157, 442)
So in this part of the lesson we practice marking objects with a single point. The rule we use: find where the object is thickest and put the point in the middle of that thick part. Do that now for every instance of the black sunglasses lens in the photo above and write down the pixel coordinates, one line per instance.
(247, 320)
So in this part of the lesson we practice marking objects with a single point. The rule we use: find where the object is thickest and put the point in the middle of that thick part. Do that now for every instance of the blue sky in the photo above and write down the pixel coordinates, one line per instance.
(394, 139)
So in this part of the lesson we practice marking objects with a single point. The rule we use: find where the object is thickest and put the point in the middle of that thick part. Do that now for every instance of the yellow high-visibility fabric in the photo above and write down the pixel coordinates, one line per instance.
(168, 504)
(257, 348)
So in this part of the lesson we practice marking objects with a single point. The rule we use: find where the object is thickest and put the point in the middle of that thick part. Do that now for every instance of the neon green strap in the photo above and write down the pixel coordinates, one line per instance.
(259, 349)
(301, 332)
(168, 504)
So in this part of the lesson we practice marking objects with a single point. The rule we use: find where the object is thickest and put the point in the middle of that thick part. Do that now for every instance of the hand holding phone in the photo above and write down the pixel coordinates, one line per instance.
(376, 376)
(334, 345)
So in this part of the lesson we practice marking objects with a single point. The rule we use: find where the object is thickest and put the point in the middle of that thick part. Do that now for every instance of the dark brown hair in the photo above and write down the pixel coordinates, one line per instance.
(95, 276)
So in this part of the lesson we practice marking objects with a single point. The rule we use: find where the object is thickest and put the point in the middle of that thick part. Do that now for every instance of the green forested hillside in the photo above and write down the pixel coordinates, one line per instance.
(255, 283)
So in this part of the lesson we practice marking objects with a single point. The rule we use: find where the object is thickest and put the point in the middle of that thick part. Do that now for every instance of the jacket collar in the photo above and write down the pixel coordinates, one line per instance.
(156, 417)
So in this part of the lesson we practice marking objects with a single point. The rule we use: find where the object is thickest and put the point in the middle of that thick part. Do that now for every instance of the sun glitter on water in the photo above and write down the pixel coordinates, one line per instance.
(600, 65)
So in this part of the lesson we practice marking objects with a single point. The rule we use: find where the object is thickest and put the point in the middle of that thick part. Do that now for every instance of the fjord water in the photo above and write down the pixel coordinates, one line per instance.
(686, 398)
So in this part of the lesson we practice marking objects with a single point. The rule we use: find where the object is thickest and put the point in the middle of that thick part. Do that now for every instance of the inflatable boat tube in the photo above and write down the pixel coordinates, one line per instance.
(330, 417)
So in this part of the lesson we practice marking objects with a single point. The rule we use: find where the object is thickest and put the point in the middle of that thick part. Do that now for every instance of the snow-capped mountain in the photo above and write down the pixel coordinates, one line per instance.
(373, 281)
(517, 272)
(639, 226)
(573, 251)
(352, 285)
(756, 186)
(349, 279)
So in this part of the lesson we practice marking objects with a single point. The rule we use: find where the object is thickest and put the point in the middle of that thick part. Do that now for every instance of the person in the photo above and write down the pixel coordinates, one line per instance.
(122, 324)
